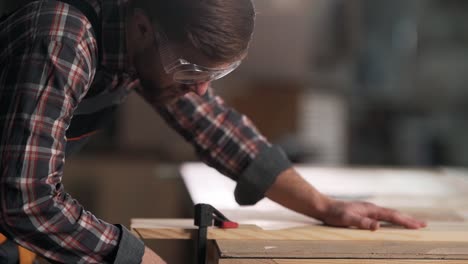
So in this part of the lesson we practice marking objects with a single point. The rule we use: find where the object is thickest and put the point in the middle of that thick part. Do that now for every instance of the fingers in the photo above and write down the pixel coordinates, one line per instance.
(368, 223)
(398, 218)
(365, 215)
(362, 222)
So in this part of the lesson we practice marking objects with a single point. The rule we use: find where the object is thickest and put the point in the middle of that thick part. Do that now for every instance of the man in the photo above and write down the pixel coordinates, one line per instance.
(65, 65)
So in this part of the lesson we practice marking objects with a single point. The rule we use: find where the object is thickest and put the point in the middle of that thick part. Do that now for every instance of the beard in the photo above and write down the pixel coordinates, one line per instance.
(156, 87)
(159, 94)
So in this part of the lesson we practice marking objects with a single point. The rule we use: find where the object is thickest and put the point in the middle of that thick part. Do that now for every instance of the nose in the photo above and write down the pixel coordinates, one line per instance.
(201, 88)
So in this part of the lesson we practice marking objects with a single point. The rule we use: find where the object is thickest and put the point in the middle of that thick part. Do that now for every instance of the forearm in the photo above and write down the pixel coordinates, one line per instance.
(229, 142)
(222, 137)
(294, 192)
(39, 215)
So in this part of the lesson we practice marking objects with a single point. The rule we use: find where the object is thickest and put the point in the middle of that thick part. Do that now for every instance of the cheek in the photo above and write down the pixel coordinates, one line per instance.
(150, 69)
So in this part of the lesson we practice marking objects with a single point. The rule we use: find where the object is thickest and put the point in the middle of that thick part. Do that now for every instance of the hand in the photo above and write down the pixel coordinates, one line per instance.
(149, 257)
(365, 215)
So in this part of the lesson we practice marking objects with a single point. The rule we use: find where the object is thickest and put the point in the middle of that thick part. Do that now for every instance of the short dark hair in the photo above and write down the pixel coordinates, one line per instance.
(220, 29)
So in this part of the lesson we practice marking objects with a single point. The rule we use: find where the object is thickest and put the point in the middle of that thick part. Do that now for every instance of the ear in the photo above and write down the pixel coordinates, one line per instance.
(145, 33)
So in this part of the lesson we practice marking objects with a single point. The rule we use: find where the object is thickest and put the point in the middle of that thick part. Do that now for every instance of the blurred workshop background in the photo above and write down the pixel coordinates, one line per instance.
(334, 82)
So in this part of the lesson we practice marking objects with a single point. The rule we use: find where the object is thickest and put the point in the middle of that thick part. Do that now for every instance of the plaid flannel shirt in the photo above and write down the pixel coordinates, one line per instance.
(48, 59)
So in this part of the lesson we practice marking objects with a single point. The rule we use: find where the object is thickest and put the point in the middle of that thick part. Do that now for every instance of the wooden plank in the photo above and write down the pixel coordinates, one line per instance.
(338, 261)
(184, 229)
(363, 261)
(341, 249)
(249, 261)
(212, 254)
(163, 228)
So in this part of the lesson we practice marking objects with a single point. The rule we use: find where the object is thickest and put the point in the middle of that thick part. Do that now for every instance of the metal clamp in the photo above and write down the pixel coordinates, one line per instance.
(206, 216)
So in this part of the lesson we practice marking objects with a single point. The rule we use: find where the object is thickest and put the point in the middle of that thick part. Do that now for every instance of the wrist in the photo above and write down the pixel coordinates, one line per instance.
(320, 205)
(295, 193)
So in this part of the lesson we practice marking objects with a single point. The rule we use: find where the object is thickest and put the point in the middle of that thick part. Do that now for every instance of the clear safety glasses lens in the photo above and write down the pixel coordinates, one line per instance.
(193, 74)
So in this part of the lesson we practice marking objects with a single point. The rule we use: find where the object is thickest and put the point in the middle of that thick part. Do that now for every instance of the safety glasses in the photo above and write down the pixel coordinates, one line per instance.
(185, 72)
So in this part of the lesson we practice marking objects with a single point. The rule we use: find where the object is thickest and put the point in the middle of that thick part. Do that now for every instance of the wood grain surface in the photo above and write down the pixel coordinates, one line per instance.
(184, 229)
(273, 249)
(338, 261)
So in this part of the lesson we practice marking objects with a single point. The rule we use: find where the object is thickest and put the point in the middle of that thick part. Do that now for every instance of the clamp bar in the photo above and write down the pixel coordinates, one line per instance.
(206, 216)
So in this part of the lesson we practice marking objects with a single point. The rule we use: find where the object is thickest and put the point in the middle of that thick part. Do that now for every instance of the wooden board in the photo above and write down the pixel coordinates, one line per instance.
(338, 261)
(277, 249)
(437, 196)
(184, 229)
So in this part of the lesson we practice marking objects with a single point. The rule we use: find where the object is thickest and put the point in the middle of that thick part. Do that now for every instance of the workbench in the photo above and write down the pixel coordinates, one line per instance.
(271, 234)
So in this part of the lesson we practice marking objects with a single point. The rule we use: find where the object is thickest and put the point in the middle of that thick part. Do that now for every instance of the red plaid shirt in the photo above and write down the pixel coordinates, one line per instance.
(48, 59)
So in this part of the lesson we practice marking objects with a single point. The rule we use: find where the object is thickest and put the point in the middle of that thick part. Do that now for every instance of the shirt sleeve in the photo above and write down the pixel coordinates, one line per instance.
(39, 89)
(226, 140)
